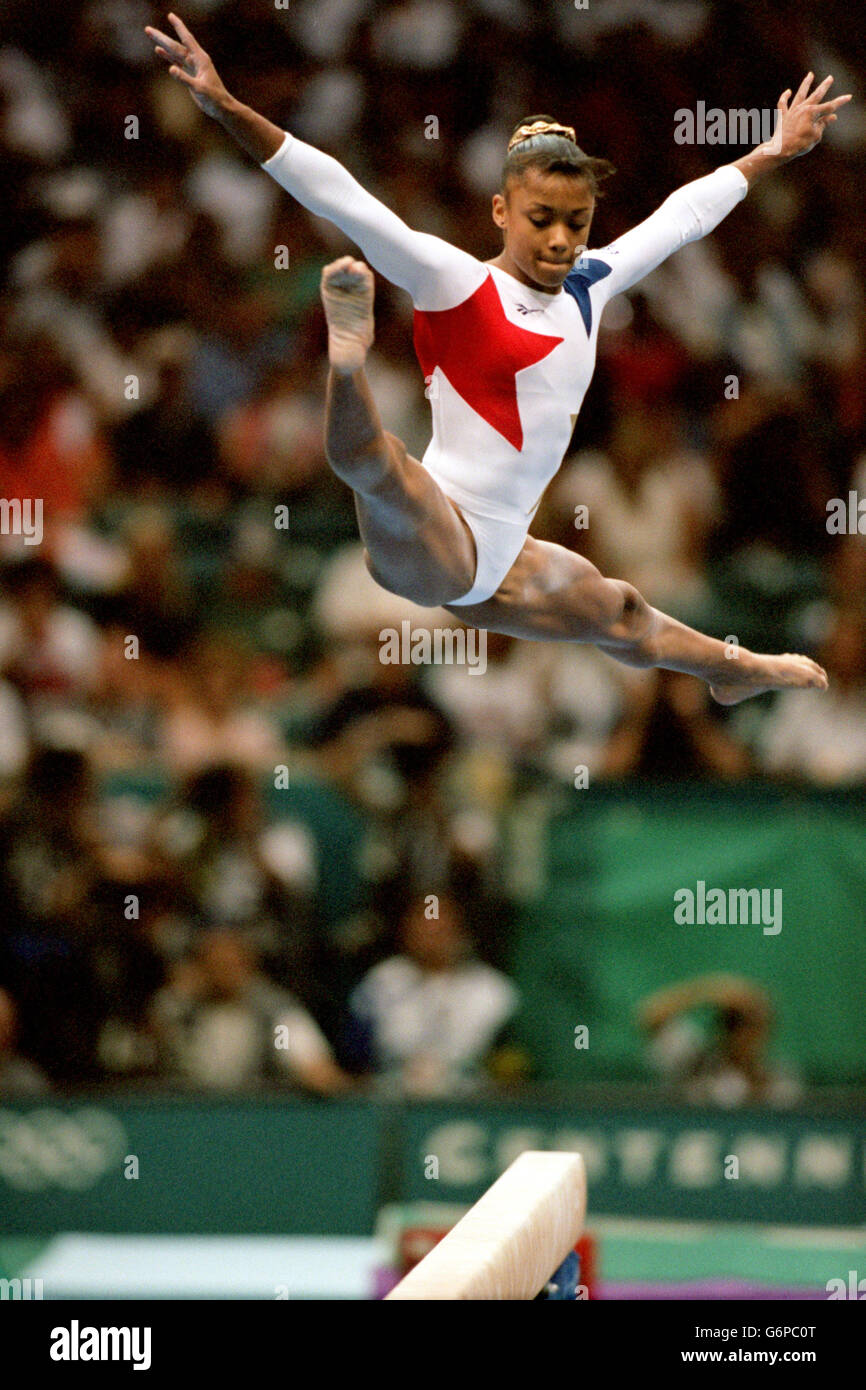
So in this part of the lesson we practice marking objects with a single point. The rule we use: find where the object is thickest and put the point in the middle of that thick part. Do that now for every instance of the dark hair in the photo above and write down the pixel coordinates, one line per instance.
(58, 773)
(732, 1019)
(215, 789)
(22, 575)
(554, 154)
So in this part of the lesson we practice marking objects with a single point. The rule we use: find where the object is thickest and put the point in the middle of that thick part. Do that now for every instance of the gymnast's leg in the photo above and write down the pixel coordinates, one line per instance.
(417, 543)
(552, 595)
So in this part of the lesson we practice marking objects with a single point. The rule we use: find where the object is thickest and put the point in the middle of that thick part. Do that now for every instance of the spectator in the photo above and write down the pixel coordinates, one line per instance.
(14, 735)
(824, 741)
(848, 563)
(59, 300)
(213, 720)
(725, 1064)
(428, 1018)
(49, 648)
(223, 1026)
(775, 514)
(18, 1077)
(274, 443)
(165, 446)
(51, 446)
(500, 704)
(380, 734)
(235, 872)
(649, 506)
(130, 963)
(125, 704)
(155, 602)
(669, 731)
(51, 866)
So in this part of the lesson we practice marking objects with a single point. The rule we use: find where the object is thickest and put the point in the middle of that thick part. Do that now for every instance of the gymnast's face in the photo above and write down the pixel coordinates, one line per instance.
(546, 219)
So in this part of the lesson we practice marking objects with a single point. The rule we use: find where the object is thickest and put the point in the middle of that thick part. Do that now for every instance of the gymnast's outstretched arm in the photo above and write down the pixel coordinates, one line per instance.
(435, 274)
(697, 208)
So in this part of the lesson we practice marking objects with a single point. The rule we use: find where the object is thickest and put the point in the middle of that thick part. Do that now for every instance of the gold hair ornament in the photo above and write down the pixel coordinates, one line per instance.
(526, 132)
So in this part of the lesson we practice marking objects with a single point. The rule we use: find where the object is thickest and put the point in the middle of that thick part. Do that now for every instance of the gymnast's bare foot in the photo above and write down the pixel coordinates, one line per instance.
(347, 294)
(758, 674)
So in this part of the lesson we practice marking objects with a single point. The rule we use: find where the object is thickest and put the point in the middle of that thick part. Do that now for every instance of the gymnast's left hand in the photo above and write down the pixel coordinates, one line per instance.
(189, 64)
(803, 118)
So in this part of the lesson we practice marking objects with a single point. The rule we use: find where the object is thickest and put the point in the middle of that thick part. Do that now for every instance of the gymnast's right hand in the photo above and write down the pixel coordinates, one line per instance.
(191, 65)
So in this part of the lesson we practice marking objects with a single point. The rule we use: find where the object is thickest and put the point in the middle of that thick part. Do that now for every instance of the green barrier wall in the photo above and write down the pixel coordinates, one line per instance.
(308, 1168)
(598, 873)
(658, 1164)
(252, 1166)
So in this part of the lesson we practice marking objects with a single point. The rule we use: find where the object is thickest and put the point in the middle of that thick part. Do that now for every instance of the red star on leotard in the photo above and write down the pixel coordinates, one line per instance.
(480, 351)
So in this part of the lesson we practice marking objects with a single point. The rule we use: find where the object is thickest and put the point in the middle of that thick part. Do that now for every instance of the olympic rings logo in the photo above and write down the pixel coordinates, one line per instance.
(56, 1148)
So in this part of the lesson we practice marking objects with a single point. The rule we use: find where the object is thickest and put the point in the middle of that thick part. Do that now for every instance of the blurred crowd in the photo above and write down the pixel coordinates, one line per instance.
(237, 846)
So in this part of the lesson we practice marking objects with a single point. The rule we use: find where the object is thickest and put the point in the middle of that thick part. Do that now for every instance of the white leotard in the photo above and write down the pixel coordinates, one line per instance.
(507, 366)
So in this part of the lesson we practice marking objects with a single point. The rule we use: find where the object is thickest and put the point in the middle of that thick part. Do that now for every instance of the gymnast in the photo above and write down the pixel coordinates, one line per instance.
(507, 347)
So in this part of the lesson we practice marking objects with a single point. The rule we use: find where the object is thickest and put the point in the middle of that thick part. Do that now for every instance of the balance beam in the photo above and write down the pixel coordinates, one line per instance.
(509, 1244)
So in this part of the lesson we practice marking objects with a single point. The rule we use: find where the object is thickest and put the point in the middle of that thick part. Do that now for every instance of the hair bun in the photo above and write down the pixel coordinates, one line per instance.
(527, 132)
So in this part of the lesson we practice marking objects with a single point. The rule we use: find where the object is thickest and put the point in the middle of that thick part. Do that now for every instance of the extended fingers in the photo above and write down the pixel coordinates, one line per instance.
(169, 58)
(821, 89)
(189, 78)
(831, 105)
(185, 34)
(803, 88)
(164, 44)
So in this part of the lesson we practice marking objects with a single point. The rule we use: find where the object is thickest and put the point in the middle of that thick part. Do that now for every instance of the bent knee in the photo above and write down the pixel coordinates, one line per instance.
(427, 591)
(608, 610)
(626, 614)
(600, 603)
